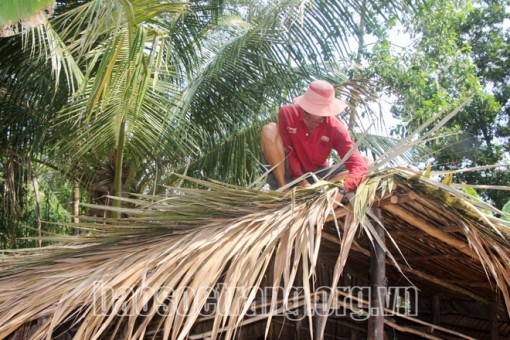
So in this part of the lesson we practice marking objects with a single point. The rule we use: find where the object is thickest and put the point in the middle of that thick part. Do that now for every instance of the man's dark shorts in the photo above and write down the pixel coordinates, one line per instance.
(321, 173)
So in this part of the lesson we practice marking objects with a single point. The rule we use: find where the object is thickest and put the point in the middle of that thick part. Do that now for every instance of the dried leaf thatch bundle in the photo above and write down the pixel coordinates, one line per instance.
(153, 273)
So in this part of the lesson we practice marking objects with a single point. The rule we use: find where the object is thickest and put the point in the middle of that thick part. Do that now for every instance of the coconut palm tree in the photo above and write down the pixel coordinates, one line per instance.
(141, 87)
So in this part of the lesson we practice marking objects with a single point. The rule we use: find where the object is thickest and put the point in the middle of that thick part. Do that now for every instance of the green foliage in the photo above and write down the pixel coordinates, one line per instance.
(18, 227)
(457, 48)
(496, 177)
(472, 192)
(506, 209)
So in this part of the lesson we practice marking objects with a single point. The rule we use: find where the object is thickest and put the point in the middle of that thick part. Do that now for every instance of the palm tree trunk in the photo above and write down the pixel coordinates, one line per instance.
(361, 32)
(10, 201)
(37, 195)
(118, 168)
(76, 201)
(361, 47)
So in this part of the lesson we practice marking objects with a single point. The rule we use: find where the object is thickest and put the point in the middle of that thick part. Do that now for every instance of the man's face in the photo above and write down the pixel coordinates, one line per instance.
(313, 121)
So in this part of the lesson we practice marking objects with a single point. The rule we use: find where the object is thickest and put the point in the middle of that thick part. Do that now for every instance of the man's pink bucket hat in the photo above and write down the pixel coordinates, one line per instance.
(319, 99)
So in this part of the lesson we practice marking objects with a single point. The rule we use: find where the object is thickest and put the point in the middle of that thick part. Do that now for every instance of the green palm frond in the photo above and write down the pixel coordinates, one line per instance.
(416, 138)
(232, 159)
(38, 50)
(83, 26)
(378, 146)
(47, 44)
(29, 96)
(125, 97)
(268, 60)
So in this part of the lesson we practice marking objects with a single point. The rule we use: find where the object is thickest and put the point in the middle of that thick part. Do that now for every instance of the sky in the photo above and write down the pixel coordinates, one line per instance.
(400, 40)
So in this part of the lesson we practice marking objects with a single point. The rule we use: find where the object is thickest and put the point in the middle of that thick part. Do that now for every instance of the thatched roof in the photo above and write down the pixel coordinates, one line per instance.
(156, 269)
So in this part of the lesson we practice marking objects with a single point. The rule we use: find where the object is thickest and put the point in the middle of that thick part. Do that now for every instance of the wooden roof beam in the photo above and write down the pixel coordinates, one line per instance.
(396, 199)
(407, 232)
(406, 270)
(472, 284)
(431, 230)
(435, 257)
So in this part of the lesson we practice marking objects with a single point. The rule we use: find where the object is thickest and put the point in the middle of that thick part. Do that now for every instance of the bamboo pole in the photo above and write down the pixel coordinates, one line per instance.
(436, 311)
(493, 320)
(411, 331)
(404, 198)
(377, 283)
(299, 301)
(432, 231)
(406, 317)
(407, 270)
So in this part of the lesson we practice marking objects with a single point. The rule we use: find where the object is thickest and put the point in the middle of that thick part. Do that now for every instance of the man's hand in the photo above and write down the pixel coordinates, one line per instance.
(304, 183)
(339, 197)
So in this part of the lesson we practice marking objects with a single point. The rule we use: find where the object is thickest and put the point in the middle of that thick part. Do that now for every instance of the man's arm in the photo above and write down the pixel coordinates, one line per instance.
(355, 164)
(295, 170)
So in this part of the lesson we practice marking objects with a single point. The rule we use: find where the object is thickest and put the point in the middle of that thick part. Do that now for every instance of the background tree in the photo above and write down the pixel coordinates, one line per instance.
(456, 49)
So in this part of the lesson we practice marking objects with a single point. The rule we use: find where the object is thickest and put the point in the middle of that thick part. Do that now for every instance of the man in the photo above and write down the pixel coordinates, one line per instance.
(302, 141)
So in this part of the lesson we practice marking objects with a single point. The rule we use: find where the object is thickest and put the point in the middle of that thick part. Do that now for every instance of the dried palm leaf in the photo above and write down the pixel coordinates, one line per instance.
(154, 272)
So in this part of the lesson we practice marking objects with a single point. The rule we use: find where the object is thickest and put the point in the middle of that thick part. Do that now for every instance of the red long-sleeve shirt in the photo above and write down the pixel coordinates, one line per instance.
(307, 151)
